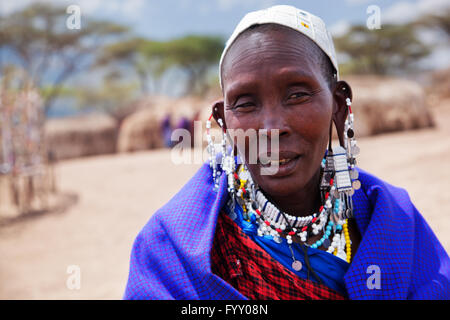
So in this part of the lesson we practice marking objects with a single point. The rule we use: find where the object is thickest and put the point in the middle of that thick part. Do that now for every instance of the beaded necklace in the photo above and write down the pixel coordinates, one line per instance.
(270, 220)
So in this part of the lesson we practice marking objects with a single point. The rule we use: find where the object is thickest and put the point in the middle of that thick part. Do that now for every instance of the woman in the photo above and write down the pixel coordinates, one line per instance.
(315, 227)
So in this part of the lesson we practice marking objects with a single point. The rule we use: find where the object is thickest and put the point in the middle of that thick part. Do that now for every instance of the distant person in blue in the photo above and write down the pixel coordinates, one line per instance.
(316, 226)
(166, 130)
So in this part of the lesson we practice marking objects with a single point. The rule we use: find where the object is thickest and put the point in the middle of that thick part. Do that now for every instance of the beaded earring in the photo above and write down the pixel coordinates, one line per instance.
(344, 163)
(351, 145)
(212, 151)
(228, 164)
(225, 158)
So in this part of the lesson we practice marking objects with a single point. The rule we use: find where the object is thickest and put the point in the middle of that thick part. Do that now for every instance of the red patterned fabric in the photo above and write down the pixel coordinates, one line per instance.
(254, 273)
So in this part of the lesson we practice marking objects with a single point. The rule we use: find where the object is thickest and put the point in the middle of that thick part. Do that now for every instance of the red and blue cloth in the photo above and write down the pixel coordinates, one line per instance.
(328, 269)
(171, 256)
(251, 270)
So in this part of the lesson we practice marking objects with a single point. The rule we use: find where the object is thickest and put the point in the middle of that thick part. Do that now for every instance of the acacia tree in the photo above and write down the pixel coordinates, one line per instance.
(437, 21)
(147, 58)
(389, 50)
(193, 54)
(113, 96)
(36, 38)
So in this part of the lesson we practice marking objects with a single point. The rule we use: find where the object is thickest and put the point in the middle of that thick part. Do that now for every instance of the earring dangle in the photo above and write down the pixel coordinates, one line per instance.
(228, 164)
(225, 159)
(352, 150)
(339, 165)
(212, 154)
(351, 145)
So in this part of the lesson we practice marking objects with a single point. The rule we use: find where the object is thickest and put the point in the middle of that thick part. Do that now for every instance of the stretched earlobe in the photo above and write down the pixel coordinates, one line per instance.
(218, 112)
(344, 88)
(342, 91)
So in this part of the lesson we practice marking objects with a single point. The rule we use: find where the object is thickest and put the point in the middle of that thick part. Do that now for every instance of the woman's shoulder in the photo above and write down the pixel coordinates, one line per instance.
(370, 181)
(196, 191)
(376, 189)
(191, 210)
(378, 199)
(397, 239)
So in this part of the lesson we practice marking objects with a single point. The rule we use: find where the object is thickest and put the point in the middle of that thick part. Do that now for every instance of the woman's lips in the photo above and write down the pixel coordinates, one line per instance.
(281, 167)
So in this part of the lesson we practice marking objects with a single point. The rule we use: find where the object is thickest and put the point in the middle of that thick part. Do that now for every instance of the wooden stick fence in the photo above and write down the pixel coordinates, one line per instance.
(26, 168)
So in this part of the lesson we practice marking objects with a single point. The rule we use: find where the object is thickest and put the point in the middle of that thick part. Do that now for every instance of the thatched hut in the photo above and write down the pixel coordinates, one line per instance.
(81, 136)
(383, 104)
(145, 128)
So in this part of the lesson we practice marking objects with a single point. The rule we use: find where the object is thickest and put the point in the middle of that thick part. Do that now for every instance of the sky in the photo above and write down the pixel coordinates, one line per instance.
(172, 18)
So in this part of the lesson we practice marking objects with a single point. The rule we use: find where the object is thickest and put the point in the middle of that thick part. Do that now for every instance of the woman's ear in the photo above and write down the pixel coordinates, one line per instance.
(219, 113)
(341, 92)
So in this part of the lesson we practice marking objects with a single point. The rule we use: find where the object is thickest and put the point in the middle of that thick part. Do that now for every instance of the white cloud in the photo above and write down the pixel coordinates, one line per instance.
(6, 7)
(403, 12)
(339, 28)
(438, 59)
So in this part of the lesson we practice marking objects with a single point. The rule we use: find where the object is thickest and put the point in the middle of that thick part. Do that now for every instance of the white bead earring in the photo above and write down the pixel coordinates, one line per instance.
(212, 151)
(352, 150)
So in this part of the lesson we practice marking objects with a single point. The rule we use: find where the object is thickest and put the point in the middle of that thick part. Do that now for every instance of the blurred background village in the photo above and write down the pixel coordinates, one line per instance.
(87, 108)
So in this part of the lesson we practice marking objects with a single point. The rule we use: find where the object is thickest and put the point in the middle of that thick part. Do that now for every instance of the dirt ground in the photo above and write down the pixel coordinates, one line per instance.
(116, 195)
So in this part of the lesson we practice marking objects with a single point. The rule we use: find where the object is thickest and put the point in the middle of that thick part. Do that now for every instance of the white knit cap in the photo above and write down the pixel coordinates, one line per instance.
(304, 22)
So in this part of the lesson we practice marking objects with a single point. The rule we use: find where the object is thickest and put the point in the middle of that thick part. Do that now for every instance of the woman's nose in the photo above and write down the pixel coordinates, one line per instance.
(274, 122)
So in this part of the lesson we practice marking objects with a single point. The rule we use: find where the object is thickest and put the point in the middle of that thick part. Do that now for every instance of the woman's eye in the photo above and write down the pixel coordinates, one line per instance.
(244, 105)
(298, 95)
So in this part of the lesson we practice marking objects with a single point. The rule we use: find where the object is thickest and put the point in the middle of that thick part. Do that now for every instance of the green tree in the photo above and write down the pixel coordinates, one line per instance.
(439, 21)
(147, 58)
(40, 42)
(193, 54)
(113, 96)
(389, 50)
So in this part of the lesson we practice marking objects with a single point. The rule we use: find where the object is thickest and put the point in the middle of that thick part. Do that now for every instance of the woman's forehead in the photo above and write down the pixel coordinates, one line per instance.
(271, 52)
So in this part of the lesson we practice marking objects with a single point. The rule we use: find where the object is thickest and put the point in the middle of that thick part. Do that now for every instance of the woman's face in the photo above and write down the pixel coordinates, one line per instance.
(273, 80)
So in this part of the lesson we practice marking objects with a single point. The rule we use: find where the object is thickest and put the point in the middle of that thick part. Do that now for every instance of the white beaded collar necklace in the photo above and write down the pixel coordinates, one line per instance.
(272, 221)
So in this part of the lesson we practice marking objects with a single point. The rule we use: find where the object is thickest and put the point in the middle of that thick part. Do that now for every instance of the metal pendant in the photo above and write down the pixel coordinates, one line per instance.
(328, 170)
(356, 184)
(354, 174)
(342, 175)
(297, 265)
(355, 150)
(348, 214)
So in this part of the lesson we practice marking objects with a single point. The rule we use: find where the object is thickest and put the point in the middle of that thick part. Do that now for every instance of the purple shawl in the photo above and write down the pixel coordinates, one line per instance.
(170, 258)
